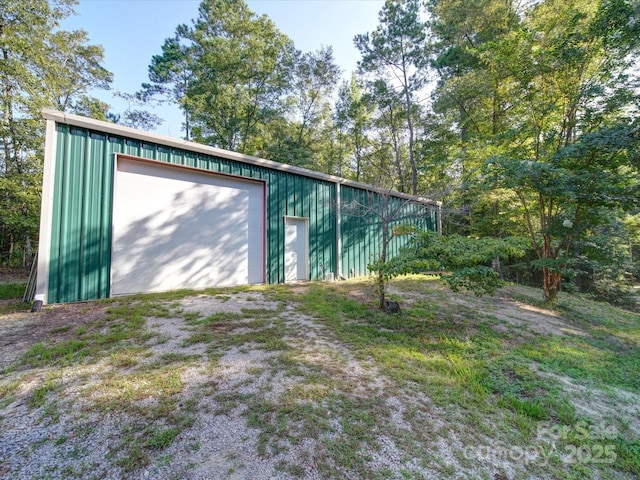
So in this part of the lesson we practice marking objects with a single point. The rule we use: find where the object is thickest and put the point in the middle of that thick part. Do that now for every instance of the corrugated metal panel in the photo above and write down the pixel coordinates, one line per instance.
(81, 237)
(181, 145)
(361, 232)
(83, 197)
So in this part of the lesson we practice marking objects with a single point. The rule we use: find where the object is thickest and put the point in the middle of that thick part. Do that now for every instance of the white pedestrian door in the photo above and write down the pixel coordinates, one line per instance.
(296, 256)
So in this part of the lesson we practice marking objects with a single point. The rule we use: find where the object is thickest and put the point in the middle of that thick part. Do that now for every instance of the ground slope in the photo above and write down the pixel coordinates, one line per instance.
(311, 381)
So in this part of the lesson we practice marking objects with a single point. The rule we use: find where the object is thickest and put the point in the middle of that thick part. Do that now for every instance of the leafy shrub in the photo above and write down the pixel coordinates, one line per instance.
(462, 262)
(612, 291)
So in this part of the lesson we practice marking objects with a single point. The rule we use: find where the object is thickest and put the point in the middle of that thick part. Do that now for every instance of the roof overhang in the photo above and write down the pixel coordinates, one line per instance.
(128, 132)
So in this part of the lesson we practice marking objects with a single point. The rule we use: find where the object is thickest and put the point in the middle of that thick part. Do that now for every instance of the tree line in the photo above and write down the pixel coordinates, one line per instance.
(520, 116)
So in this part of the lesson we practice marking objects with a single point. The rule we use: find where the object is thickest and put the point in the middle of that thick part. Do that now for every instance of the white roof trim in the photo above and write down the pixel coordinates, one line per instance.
(112, 128)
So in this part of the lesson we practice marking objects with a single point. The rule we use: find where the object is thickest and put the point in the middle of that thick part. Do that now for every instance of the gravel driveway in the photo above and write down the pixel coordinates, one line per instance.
(81, 426)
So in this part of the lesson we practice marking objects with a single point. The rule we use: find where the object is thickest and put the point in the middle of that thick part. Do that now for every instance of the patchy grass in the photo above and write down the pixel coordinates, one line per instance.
(120, 391)
(162, 437)
(38, 399)
(13, 306)
(106, 361)
(127, 357)
(56, 354)
(335, 388)
(12, 290)
(8, 391)
(168, 358)
(117, 335)
(259, 327)
(200, 337)
(152, 403)
(454, 355)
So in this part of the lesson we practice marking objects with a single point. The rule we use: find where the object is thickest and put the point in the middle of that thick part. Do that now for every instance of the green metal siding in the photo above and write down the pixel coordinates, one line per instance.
(81, 239)
(361, 233)
(81, 236)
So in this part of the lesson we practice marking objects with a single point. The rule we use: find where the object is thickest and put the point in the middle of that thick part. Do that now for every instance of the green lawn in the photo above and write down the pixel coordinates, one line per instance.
(510, 382)
(12, 290)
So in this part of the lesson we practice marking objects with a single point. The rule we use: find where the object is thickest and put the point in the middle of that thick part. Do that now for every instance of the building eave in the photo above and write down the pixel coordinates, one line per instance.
(128, 132)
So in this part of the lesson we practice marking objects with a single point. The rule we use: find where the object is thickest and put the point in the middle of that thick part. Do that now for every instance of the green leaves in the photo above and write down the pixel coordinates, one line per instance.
(480, 280)
(42, 67)
(545, 107)
(228, 72)
(243, 86)
(396, 52)
(462, 262)
(398, 41)
(454, 250)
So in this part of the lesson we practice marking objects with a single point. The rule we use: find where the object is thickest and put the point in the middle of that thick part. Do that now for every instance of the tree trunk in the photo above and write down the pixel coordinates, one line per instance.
(358, 154)
(551, 280)
(10, 253)
(187, 126)
(27, 249)
(412, 160)
(397, 161)
(495, 265)
(551, 285)
(383, 255)
(381, 289)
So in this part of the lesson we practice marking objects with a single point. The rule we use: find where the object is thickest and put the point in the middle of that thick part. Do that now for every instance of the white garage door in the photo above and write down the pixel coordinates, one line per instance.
(178, 228)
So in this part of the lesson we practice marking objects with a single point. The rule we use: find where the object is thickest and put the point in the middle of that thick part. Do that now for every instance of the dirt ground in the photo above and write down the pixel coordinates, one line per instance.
(222, 443)
(11, 275)
(19, 331)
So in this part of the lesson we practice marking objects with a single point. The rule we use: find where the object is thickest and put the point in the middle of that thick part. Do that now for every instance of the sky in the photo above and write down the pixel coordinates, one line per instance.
(132, 31)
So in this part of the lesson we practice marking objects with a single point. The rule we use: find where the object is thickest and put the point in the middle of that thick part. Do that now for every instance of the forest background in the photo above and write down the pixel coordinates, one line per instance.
(521, 117)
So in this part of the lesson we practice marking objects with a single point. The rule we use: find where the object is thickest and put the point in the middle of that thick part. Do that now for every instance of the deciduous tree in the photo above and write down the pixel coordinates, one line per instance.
(353, 117)
(395, 52)
(41, 66)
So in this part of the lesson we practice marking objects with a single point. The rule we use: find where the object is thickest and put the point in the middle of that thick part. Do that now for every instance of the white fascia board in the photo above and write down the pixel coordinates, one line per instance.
(113, 129)
(338, 232)
(46, 213)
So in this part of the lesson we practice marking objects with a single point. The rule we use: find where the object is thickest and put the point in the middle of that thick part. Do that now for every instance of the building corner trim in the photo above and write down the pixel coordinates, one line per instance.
(338, 234)
(46, 213)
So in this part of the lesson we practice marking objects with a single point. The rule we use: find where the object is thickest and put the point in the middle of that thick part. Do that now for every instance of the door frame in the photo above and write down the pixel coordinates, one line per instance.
(307, 264)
